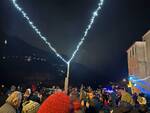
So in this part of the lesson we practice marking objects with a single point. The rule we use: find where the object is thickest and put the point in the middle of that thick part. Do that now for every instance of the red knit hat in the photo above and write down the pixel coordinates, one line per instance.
(76, 105)
(56, 103)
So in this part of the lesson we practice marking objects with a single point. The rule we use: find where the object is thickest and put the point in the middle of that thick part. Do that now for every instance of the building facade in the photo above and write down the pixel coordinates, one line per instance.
(137, 59)
(139, 64)
(146, 38)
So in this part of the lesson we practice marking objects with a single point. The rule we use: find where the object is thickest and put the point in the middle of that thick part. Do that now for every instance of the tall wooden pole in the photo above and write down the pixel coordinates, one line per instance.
(66, 85)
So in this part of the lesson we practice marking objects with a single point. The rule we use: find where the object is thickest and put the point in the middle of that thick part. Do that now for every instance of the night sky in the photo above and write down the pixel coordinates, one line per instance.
(119, 24)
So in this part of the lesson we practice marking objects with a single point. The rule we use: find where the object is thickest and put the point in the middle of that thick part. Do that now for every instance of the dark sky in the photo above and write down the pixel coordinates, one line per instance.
(119, 24)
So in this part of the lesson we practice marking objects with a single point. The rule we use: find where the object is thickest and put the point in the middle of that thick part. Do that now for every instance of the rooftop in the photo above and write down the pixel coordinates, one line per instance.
(146, 35)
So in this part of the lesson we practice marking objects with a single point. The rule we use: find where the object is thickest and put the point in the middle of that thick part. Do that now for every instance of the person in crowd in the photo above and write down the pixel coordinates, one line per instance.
(12, 103)
(75, 101)
(141, 99)
(135, 98)
(142, 103)
(90, 105)
(126, 102)
(12, 89)
(30, 107)
(77, 106)
(113, 97)
(27, 95)
(3, 95)
(85, 100)
(40, 96)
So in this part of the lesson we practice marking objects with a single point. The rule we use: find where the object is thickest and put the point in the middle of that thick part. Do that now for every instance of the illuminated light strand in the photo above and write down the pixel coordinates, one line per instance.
(134, 78)
(37, 30)
(137, 80)
(95, 14)
(143, 79)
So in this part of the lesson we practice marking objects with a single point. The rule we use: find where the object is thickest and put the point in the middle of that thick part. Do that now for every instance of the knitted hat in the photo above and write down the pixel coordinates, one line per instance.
(76, 105)
(56, 103)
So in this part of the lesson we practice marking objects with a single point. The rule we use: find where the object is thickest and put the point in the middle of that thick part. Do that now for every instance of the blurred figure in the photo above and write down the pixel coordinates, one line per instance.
(126, 102)
(12, 89)
(31, 102)
(141, 99)
(30, 107)
(77, 106)
(142, 103)
(135, 97)
(3, 95)
(12, 103)
(26, 95)
(90, 105)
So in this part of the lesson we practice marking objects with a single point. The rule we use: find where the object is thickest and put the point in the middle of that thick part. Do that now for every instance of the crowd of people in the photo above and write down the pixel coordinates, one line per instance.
(83, 100)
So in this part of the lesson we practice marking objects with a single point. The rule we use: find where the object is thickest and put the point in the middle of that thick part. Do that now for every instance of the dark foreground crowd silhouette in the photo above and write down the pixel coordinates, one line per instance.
(83, 100)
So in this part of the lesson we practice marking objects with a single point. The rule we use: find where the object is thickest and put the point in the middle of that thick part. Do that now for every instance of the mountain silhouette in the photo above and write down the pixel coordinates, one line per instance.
(23, 63)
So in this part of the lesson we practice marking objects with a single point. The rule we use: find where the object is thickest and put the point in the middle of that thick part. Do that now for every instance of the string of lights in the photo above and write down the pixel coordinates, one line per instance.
(95, 14)
(37, 30)
(136, 79)
(143, 79)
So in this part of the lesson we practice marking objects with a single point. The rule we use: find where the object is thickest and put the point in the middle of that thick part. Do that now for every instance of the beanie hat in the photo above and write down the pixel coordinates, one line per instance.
(56, 103)
(76, 105)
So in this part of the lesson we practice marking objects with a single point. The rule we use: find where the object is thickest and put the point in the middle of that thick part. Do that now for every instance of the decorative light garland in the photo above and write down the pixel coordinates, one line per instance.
(95, 14)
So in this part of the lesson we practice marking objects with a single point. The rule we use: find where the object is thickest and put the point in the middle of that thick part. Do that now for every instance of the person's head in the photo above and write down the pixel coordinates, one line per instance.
(27, 92)
(15, 99)
(90, 95)
(13, 88)
(101, 98)
(121, 90)
(82, 103)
